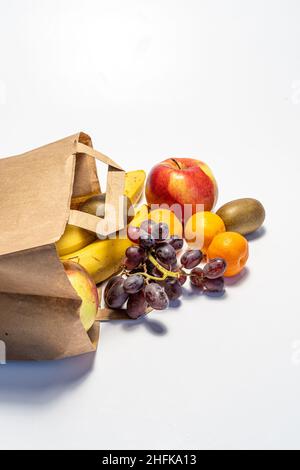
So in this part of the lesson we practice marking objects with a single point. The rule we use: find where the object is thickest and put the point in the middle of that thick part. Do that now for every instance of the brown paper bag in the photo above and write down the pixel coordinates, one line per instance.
(39, 309)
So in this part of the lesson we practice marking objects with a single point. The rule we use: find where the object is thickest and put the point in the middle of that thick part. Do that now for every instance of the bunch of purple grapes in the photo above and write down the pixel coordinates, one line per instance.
(152, 276)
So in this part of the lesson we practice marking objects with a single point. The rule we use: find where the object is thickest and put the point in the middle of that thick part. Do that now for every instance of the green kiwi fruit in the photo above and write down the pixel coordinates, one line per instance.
(242, 215)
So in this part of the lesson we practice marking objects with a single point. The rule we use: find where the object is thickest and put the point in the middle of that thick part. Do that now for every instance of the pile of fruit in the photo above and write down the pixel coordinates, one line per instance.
(175, 237)
(151, 275)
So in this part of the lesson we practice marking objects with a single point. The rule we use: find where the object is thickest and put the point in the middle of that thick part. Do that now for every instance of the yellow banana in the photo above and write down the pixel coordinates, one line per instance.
(76, 238)
(134, 185)
(103, 258)
(141, 214)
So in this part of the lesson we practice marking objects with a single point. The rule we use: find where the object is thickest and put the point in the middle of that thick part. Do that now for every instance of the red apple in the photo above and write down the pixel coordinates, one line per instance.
(182, 181)
(86, 289)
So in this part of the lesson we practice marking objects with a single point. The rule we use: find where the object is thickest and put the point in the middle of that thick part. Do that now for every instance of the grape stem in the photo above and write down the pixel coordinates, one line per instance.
(165, 272)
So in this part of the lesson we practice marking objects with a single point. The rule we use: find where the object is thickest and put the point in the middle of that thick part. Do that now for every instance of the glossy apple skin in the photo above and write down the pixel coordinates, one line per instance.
(182, 181)
(86, 289)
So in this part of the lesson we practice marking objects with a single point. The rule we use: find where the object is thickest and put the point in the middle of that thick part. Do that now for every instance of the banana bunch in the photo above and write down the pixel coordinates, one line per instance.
(102, 258)
(76, 238)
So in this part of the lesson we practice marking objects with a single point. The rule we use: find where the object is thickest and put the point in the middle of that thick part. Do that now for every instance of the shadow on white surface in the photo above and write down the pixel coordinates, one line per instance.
(155, 327)
(256, 235)
(216, 295)
(238, 279)
(175, 303)
(41, 382)
(194, 292)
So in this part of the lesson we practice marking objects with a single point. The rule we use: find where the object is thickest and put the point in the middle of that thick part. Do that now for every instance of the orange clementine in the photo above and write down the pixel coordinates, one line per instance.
(201, 228)
(233, 248)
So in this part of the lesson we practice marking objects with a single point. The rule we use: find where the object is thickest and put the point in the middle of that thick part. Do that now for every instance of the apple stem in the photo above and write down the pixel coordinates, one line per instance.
(176, 163)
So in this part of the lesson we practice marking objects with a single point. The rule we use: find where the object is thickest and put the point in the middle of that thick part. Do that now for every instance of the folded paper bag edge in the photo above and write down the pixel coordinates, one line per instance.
(74, 139)
(45, 178)
(68, 148)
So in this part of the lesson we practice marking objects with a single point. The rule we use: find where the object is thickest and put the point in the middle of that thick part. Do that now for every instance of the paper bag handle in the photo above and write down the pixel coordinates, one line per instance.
(114, 220)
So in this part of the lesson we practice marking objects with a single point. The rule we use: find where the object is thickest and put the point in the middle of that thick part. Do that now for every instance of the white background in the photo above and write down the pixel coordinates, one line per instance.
(215, 79)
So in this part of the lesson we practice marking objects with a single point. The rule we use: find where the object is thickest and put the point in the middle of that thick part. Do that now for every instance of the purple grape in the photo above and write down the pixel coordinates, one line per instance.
(153, 270)
(133, 284)
(136, 305)
(215, 268)
(173, 288)
(214, 285)
(174, 267)
(170, 267)
(166, 254)
(133, 233)
(129, 265)
(146, 241)
(182, 279)
(160, 232)
(111, 282)
(147, 226)
(136, 270)
(114, 294)
(156, 296)
(149, 265)
(190, 259)
(197, 277)
(135, 256)
(176, 242)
